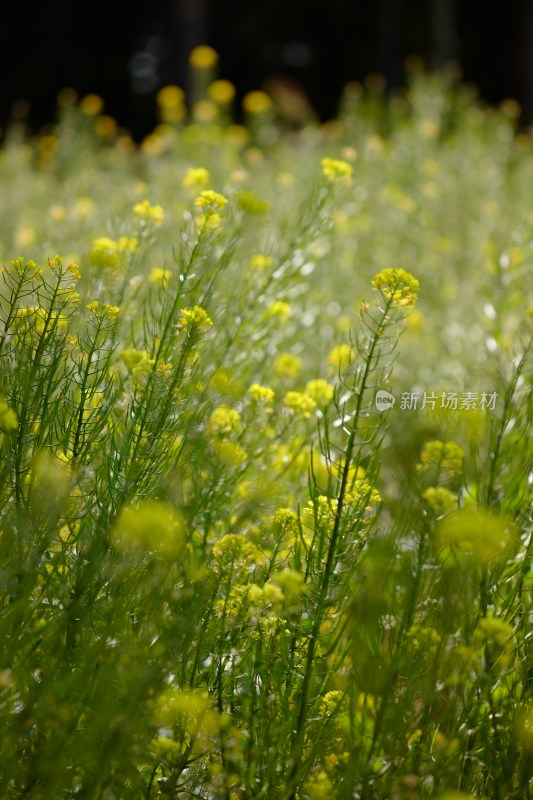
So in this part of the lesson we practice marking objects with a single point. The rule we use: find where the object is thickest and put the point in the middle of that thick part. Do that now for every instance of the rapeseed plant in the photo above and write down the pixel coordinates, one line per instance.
(250, 546)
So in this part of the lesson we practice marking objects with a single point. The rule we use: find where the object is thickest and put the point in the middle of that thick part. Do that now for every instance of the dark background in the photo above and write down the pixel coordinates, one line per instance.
(125, 52)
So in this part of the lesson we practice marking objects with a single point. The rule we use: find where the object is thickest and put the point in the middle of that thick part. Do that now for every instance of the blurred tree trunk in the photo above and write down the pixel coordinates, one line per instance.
(445, 37)
(525, 65)
(189, 23)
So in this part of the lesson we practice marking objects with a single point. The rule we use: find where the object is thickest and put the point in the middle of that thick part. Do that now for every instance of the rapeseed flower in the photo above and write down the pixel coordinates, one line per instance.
(287, 364)
(149, 213)
(335, 169)
(221, 92)
(474, 535)
(149, 526)
(195, 177)
(398, 287)
(160, 276)
(442, 457)
(138, 362)
(261, 262)
(320, 390)
(300, 403)
(256, 102)
(194, 319)
(223, 420)
(339, 356)
(8, 418)
(279, 309)
(203, 57)
(440, 500)
(261, 394)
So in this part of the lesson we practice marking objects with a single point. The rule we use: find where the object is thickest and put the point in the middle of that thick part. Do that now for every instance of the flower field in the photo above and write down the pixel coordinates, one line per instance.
(267, 459)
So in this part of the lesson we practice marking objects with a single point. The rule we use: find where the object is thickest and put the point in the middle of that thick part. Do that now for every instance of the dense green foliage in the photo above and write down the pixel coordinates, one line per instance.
(230, 566)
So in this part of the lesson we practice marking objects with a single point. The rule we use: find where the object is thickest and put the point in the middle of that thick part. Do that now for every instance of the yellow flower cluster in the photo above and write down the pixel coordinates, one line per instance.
(138, 362)
(334, 169)
(279, 309)
(221, 92)
(223, 420)
(149, 213)
(287, 364)
(300, 402)
(160, 276)
(261, 262)
(29, 269)
(212, 204)
(195, 177)
(106, 252)
(149, 526)
(210, 200)
(103, 311)
(474, 535)
(320, 391)
(171, 102)
(256, 102)
(234, 548)
(194, 319)
(440, 500)
(446, 457)
(339, 356)
(203, 57)
(398, 287)
(261, 394)
(8, 418)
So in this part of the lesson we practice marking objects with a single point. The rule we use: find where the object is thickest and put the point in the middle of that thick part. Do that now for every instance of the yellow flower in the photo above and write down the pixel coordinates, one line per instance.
(105, 311)
(249, 202)
(170, 96)
(256, 102)
(149, 525)
(203, 57)
(194, 319)
(261, 262)
(440, 500)
(397, 286)
(91, 104)
(149, 213)
(104, 253)
(261, 394)
(195, 177)
(287, 364)
(475, 535)
(445, 457)
(8, 418)
(104, 125)
(339, 357)
(320, 390)
(278, 310)
(223, 420)
(336, 170)
(160, 276)
(137, 361)
(127, 243)
(209, 201)
(221, 92)
(229, 453)
(204, 110)
(300, 402)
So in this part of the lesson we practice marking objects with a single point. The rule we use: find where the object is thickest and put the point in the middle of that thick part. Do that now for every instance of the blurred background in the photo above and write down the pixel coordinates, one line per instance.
(303, 50)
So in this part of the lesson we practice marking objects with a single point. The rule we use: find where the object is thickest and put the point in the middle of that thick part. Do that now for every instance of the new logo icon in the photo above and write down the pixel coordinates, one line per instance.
(384, 400)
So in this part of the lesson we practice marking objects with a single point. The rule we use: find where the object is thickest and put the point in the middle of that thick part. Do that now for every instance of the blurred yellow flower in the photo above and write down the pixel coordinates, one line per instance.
(203, 57)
